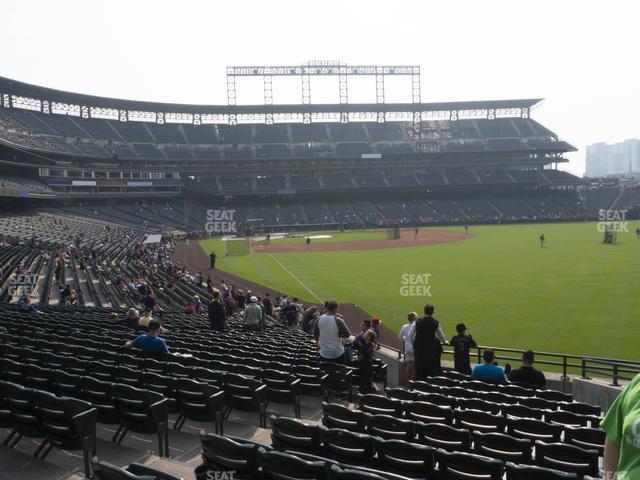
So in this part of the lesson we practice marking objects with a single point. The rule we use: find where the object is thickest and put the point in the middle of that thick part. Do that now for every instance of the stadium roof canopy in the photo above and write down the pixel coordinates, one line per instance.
(10, 88)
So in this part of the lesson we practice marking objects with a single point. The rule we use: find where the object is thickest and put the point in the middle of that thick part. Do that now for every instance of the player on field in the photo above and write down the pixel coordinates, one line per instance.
(541, 238)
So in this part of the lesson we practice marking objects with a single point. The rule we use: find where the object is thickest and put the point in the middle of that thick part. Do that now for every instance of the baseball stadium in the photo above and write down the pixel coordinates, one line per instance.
(124, 218)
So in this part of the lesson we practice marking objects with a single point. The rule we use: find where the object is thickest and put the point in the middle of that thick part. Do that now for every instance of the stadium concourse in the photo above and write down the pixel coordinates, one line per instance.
(85, 180)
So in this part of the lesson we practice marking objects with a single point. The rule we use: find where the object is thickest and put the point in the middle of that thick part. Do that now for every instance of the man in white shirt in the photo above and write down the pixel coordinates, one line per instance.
(407, 345)
(329, 331)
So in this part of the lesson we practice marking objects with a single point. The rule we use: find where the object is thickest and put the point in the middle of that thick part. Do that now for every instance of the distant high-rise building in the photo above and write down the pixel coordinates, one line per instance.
(618, 158)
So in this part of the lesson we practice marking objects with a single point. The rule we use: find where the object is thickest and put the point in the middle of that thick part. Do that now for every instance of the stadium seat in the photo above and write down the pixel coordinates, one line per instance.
(220, 453)
(567, 458)
(581, 408)
(339, 377)
(530, 472)
(398, 393)
(313, 381)
(479, 420)
(587, 438)
(554, 396)
(501, 446)
(390, 428)
(564, 418)
(477, 404)
(106, 471)
(438, 435)
(404, 458)
(282, 387)
(199, 402)
(423, 387)
(533, 429)
(293, 435)
(428, 412)
(142, 411)
(279, 465)
(245, 394)
(462, 466)
(348, 447)
(379, 405)
(521, 411)
(335, 415)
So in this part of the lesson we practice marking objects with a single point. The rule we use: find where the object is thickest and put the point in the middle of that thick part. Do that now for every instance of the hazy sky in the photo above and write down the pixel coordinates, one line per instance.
(581, 56)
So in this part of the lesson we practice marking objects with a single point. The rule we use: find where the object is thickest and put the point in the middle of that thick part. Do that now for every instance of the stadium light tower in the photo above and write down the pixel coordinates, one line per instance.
(319, 68)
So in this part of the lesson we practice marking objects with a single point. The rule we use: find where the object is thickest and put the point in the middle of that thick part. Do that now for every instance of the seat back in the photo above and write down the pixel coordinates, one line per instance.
(283, 466)
(388, 427)
(335, 415)
(380, 405)
(22, 410)
(403, 394)
(533, 429)
(587, 438)
(290, 434)
(438, 435)
(222, 453)
(459, 466)
(428, 412)
(567, 458)
(478, 420)
(348, 447)
(501, 446)
(404, 458)
(530, 472)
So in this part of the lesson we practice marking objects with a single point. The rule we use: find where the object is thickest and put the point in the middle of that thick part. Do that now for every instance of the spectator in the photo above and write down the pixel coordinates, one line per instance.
(216, 312)
(462, 345)
(407, 346)
(489, 371)
(268, 305)
(365, 362)
(426, 347)
(375, 326)
(241, 300)
(26, 306)
(149, 301)
(131, 320)
(197, 304)
(358, 341)
(150, 343)
(252, 319)
(621, 456)
(307, 318)
(527, 374)
(290, 313)
(64, 294)
(329, 331)
(209, 285)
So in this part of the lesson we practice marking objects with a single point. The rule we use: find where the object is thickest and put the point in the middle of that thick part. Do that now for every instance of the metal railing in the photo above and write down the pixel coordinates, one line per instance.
(612, 368)
(615, 369)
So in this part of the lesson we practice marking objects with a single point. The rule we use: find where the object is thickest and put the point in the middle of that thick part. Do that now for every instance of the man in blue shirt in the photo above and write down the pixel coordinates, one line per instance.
(488, 371)
(150, 343)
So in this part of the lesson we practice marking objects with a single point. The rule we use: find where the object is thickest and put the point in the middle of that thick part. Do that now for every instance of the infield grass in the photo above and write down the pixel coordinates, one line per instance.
(576, 295)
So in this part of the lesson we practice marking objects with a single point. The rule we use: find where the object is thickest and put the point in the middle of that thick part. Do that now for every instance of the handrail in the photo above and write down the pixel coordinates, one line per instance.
(608, 367)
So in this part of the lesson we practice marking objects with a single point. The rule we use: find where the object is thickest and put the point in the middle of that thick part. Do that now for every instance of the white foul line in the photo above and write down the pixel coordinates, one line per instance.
(295, 278)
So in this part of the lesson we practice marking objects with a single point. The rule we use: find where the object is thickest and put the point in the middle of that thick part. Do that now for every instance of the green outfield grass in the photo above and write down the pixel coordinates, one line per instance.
(574, 296)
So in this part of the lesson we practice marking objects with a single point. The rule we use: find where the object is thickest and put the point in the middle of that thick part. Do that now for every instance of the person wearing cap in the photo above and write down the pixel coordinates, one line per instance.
(462, 345)
(150, 343)
(252, 318)
(131, 320)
